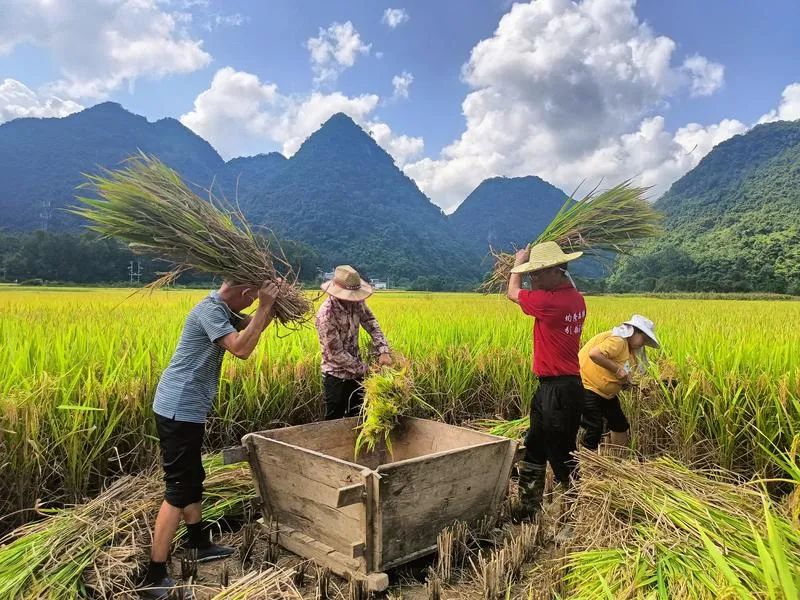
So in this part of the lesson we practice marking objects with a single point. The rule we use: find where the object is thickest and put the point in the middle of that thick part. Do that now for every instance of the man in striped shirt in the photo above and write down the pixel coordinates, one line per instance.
(183, 399)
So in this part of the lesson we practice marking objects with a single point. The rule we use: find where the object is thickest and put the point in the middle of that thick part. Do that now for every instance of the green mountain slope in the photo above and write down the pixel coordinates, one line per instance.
(733, 222)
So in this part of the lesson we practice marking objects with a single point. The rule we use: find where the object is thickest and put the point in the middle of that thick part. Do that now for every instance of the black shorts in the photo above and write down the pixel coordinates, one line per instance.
(181, 443)
(596, 412)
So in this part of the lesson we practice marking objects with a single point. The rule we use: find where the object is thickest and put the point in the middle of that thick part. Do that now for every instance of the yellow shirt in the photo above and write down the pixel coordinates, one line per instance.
(596, 378)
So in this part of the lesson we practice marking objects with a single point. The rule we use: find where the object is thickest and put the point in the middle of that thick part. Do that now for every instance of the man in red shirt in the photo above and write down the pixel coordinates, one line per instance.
(559, 312)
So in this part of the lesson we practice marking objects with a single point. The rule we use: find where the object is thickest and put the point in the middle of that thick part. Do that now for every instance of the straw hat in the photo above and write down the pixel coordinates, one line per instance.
(347, 285)
(647, 327)
(544, 256)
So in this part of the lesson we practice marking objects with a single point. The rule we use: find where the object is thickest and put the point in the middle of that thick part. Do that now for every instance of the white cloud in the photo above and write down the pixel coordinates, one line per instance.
(401, 83)
(706, 76)
(334, 50)
(651, 154)
(394, 17)
(570, 91)
(230, 20)
(239, 114)
(100, 45)
(789, 108)
(402, 148)
(18, 100)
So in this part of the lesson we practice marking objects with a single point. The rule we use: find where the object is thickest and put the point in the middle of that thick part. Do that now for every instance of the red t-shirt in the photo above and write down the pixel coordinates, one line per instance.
(559, 315)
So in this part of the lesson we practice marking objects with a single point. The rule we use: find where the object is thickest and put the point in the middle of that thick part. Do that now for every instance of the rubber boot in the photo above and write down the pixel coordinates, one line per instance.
(531, 488)
(566, 500)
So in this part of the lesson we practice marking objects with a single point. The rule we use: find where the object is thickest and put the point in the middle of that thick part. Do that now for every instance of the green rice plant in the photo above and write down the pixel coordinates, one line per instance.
(514, 429)
(601, 225)
(388, 395)
(78, 369)
(150, 207)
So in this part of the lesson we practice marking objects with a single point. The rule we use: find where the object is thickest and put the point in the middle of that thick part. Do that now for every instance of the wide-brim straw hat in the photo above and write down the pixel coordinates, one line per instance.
(347, 285)
(544, 256)
(647, 327)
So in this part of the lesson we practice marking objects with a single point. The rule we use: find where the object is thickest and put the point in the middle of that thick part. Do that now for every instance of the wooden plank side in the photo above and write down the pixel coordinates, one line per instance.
(372, 554)
(335, 438)
(231, 456)
(314, 436)
(446, 436)
(501, 487)
(315, 466)
(301, 490)
(328, 525)
(307, 547)
(419, 497)
(351, 494)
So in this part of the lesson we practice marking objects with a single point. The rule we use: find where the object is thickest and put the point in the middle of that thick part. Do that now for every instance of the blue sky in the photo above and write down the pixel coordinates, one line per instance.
(603, 89)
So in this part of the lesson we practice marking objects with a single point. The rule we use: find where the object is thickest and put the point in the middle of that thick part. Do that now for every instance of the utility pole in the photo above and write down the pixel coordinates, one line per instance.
(44, 214)
(135, 272)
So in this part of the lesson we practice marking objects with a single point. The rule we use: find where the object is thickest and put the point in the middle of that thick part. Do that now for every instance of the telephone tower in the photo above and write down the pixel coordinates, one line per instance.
(135, 272)
(44, 214)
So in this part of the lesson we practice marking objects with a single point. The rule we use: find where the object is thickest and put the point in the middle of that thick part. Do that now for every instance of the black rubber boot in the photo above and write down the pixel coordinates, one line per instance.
(566, 495)
(531, 488)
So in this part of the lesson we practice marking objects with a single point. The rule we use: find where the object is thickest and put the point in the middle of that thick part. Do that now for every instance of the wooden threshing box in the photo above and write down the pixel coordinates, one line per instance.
(362, 517)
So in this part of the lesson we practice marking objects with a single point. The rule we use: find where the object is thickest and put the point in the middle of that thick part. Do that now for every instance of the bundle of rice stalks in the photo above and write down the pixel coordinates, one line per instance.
(659, 530)
(514, 429)
(389, 393)
(96, 546)
(600, 225)
(147, 205)
(272, 584)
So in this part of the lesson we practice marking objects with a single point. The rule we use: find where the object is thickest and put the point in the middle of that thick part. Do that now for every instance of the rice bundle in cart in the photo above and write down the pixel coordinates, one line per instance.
(361, 517)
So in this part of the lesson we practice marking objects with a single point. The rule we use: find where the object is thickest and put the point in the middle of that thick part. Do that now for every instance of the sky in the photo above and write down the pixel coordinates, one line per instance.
(576, 92)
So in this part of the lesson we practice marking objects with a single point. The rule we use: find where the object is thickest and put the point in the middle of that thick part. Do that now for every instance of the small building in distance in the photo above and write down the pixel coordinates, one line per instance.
(377, 284)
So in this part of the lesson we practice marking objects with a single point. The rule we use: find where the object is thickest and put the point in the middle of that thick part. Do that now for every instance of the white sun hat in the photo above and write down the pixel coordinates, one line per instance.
(644, 325)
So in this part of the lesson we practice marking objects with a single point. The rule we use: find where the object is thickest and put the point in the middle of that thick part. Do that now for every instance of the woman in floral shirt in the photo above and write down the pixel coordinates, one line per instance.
(338, 322)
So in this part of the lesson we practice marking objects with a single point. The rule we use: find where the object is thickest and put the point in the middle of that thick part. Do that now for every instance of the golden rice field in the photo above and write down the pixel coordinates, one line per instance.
(78, 368)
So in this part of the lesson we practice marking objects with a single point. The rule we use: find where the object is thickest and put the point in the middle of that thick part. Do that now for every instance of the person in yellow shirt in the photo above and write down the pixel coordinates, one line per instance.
(606, 363)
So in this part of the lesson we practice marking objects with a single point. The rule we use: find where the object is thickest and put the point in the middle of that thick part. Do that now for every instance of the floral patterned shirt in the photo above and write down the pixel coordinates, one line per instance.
(338, 323)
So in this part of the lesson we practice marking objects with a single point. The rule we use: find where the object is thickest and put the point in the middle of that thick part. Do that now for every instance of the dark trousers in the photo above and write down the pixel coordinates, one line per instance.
(555, 419)
(343, 397)
(597, 411)
(181, 444)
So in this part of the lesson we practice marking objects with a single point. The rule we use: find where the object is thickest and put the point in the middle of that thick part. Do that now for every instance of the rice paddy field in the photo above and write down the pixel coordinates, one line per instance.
(78, 368)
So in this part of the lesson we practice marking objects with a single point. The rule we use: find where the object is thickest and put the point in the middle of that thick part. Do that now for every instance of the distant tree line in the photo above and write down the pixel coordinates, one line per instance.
(672, 269)
(43, 257)
(85, 258)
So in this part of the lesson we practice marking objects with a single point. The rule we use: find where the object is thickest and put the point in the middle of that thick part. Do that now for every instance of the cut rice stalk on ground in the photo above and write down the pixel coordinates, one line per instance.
(271, 584)
(98, 546)
(149, 206)
(657, 529)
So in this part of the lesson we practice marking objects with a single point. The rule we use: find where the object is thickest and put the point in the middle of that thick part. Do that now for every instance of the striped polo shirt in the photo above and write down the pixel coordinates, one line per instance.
(188, 386)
